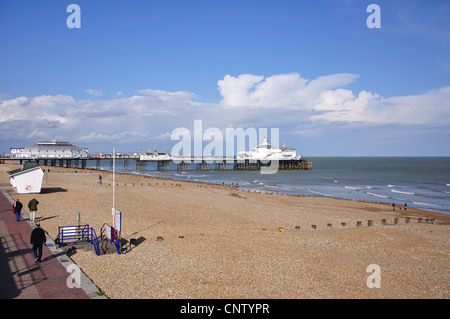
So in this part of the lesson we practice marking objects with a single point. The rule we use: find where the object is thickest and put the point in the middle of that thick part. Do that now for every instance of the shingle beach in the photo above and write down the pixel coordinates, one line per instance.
(219, 242)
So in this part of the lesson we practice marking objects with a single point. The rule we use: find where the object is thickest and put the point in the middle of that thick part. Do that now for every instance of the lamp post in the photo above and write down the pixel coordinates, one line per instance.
(114, 186)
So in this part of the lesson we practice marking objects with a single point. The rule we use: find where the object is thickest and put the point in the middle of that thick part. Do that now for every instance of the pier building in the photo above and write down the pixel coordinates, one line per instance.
(50, 150)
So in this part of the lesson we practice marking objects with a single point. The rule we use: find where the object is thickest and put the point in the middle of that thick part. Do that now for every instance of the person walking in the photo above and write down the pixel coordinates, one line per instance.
(37, 239)
(18, 209)
(32, 206)
(393, 206)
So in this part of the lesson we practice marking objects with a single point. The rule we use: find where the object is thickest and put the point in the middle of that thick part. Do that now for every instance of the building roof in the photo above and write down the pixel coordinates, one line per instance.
(53, 146)
(27, 167)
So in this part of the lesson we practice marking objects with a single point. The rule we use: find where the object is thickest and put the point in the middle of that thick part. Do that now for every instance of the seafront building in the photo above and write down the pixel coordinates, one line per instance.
(267, 151)
(49, 150)
(154, 155)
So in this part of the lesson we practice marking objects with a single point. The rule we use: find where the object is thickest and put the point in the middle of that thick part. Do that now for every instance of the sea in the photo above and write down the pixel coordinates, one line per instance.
(421, 182)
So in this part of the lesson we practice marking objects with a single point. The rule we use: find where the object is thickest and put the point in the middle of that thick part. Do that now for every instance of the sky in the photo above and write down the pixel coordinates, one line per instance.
(135, 71)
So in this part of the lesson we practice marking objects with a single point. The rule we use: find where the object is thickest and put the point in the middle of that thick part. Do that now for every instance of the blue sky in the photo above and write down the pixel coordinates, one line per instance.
(136, 70)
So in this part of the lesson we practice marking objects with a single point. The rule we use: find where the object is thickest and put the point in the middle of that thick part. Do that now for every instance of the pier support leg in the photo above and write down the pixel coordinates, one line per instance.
(163, 166)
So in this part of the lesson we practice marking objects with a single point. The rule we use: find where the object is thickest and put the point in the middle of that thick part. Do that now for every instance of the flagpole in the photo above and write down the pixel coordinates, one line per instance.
(114, 185)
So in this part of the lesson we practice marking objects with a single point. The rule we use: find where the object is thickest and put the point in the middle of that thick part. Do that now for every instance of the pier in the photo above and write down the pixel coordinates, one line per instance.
(63, 154)
(219, 164)
(189, 163)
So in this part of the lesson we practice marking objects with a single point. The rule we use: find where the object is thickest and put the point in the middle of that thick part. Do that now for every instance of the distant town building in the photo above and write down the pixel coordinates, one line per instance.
(49, 150)
(133, 155)
(101, 155)
(15, 152)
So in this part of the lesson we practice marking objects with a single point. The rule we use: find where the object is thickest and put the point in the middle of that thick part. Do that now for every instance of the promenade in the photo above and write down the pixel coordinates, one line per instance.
(20, 276)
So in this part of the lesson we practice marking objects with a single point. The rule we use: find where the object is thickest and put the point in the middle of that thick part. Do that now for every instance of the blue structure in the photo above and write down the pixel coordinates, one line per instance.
(85, 234)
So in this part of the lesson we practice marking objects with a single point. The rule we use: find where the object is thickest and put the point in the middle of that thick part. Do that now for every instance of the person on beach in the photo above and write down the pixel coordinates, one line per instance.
(393, 206)
(32, 206)
(17, 209)
(100, 179)
(405, 206)
(37, 239)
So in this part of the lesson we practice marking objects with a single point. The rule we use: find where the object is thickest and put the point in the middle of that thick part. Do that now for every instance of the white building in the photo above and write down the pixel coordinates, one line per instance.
(266, 151)
(27, 179)
(155, 156)
(50, 150)
(16, 152)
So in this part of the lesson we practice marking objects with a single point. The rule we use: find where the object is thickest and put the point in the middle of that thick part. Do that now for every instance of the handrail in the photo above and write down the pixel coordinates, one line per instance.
(94, 242)
(102, 230)
(115, 239)
(114, 236)
(84, 233)
(73, 234)
(78, 234)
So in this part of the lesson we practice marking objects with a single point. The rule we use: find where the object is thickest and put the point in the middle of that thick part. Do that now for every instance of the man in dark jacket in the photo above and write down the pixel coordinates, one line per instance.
(32, 206)
(37, 239)
(18, 209)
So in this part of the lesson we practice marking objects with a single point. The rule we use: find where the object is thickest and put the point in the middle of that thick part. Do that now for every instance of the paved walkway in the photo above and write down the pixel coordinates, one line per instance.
(20, 277)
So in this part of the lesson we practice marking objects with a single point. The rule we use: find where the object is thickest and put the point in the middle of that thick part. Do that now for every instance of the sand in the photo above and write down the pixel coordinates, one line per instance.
(219, 242)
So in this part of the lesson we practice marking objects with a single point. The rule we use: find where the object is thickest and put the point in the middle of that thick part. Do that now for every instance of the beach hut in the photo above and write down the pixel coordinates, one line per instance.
(27, 179)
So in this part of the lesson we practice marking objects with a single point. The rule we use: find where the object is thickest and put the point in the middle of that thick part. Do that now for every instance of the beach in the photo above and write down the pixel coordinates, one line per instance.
(219, 242)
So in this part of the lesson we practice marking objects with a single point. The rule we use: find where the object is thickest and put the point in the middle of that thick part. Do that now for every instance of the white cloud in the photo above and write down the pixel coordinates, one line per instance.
(94, 92)
(163, 137)
(120, 120)
(286, 101)
(118, 137)
(429, 108)
(324, 98)
(44, 107)
(278, 91)
(180, 96)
